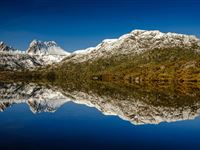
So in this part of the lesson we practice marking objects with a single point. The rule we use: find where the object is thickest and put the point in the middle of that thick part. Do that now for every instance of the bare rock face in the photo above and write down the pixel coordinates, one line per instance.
(5, 48)
(45, 48)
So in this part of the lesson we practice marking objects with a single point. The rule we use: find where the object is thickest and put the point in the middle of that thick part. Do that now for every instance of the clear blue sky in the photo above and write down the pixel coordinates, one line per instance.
(78, 24)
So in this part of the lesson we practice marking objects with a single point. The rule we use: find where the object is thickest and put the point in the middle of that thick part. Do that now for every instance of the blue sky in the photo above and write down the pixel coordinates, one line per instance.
(78, 24)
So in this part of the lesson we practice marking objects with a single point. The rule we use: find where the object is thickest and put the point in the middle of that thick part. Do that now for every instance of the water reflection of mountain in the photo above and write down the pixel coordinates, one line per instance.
(39, 99)
(137, 105)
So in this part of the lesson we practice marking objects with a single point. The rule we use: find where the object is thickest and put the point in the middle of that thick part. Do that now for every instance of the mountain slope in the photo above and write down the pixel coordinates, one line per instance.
(7, 49)
(136, 57)
(38, 54)
(17, 62)
(136, 42)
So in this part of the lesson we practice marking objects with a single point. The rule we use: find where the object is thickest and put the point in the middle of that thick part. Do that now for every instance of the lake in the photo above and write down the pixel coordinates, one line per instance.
(35, 116)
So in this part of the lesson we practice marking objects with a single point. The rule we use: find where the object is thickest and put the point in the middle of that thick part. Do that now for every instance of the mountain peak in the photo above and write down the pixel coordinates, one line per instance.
(6, 48)
(52, 43)
(37, 47)
(1, 43)
(137, 42)
(158, 34)
(34, 42)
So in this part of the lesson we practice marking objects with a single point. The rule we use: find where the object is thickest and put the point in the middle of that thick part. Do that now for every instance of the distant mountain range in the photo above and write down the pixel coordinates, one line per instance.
(136, 56)
(7, 49)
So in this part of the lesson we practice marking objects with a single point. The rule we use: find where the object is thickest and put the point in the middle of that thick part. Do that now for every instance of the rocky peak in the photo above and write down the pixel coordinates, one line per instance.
(6, 48)
(37, 47)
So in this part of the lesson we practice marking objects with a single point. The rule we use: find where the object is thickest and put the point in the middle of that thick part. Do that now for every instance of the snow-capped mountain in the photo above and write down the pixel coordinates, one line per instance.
(45, 48)
(38, 54)
(7, 49)
(136, 42)
(48, 51)
(17, 61)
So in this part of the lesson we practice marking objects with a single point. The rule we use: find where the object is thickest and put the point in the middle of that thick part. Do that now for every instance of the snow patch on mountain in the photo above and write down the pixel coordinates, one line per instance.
(17, 61)
(38, 54)
(45, 48)
(136, 42)
(48, 51)
(7, 49)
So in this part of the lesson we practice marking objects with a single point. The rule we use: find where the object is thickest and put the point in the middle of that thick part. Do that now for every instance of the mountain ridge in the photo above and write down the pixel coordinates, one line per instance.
(134, 57)
(38, 54)
(37, 47)
(136, 42)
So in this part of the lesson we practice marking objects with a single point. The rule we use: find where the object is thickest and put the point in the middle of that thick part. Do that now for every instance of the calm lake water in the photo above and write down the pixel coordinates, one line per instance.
(37, 117)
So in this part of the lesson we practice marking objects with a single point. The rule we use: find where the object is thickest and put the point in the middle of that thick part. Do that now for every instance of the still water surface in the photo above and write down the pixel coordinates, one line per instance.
(34, 117)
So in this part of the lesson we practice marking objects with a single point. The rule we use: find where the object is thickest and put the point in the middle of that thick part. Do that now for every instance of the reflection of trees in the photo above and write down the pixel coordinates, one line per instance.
(139, 104)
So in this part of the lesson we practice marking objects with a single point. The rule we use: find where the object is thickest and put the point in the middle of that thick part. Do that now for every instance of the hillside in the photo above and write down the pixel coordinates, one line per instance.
(137, 57)
(38, 54)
